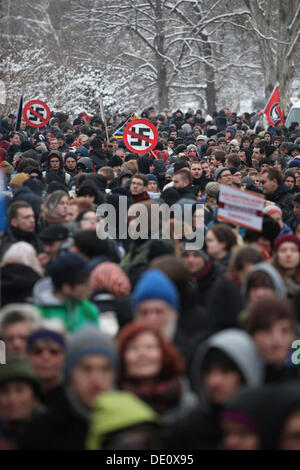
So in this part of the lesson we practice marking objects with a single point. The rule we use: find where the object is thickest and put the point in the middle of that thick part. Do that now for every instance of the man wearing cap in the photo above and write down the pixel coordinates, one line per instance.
(53, 237)
(20, 394)
(155, 302)
(64, 294)
(224, 176)
(91, 365)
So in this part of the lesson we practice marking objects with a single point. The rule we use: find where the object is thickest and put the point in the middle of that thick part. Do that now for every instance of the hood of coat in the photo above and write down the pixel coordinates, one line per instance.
(240, 348)
(43, 293)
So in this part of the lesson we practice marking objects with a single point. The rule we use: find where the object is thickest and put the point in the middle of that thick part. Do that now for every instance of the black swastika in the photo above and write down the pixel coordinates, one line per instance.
(33, 117)
(139, 142)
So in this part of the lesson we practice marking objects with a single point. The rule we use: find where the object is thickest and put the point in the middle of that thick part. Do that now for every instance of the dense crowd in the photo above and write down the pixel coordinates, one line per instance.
(123, 343)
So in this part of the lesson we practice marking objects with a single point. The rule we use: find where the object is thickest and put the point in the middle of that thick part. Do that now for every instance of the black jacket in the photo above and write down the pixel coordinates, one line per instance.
(189, 192)
(17, 281)
(283, 198)
(14, 235)
(60, 428)
(100, 158)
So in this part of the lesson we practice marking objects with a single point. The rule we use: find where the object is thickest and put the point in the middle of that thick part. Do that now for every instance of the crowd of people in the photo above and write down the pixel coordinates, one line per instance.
(123, 343)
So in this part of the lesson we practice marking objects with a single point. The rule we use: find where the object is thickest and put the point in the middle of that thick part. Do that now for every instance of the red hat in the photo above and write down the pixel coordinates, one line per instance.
(286, 238)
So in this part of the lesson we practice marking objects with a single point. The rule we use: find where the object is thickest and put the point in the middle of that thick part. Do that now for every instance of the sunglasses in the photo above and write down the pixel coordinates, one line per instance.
(34, 177)
(38, 351)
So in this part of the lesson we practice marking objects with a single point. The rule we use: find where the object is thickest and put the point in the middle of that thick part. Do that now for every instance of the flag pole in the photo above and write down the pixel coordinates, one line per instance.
(104, 118)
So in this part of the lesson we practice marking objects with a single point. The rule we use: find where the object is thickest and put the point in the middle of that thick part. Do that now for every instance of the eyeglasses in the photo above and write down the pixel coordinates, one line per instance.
(91, 219)
(133, 183)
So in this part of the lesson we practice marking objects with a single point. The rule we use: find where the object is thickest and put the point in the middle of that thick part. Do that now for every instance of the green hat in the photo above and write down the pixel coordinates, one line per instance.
(17, 368)
(115, 411)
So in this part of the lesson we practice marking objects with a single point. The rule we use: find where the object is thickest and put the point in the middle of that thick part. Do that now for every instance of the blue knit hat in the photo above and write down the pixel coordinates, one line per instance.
(294, 164)
(70, 155)
(155, 285)
(152, 178)
(83, 151)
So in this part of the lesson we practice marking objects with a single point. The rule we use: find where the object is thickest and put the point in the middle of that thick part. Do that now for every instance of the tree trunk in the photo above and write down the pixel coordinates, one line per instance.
(162, 88)
(210, 91)
(161, 66)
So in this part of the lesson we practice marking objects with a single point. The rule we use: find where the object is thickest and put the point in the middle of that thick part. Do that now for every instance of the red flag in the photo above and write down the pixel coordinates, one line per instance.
(273, 110)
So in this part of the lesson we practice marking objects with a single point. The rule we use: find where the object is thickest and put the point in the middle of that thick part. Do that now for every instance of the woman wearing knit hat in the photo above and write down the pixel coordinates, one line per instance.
(286, 260)
(276, 214)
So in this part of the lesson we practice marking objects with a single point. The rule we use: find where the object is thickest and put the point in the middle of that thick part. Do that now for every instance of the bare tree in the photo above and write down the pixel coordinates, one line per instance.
(275, 25)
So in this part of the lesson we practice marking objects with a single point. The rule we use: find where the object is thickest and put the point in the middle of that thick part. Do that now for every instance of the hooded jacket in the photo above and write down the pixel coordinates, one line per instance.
(267, 268)
(201, 429)
(240, 348)
(74, 314)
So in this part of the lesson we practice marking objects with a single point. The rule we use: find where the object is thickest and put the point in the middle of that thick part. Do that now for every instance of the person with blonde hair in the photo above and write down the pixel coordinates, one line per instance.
(23, 253)
(21, 270)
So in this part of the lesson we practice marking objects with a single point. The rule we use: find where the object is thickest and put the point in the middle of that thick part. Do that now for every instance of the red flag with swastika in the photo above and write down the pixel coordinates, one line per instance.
(273, 110)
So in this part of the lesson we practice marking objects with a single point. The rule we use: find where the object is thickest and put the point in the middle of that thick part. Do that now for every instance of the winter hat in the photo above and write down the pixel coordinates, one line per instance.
(294, 164)
(54, 153)
(159, 167)
(220, 171)
(115, 161)
(44, 334)
(212, 189)
(16, 368)
(155, 285)
(201, 137)
(115, 411)
(286, 238)
(67, 267)
(19, 179)
(83, 151)
(54, 232)
(71, 155)
(152, 177)
(85, 163)
(248, 180)
(170, 171)
(111, 278)
(181, 163)
(232, 130)
(269, 210)
(85, 342)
